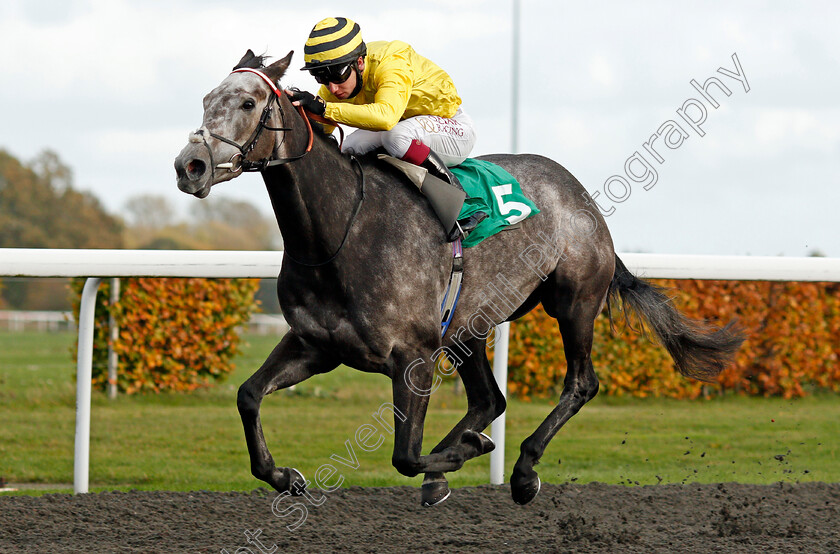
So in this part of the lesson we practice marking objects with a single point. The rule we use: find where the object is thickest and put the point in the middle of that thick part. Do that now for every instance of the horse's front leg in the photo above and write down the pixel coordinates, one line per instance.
(412, 387)
(291, 362)
(485, 402)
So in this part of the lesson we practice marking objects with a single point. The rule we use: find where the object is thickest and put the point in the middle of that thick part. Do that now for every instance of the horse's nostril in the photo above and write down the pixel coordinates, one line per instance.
(196, 168)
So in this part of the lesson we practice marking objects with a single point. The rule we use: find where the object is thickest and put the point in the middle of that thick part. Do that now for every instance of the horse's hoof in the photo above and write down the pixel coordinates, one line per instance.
(487, 444)
(434, 492)
(285, 479)
(474, 440)
(297, 483)
(522, 494)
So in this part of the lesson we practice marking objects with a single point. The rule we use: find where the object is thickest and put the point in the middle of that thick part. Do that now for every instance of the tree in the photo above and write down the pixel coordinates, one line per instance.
(216, 217)
(149, 211)
(39, 208)
(217, 224)
(52, 170)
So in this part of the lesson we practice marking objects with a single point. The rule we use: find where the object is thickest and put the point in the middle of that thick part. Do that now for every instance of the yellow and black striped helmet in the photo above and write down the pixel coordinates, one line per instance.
(333, 41)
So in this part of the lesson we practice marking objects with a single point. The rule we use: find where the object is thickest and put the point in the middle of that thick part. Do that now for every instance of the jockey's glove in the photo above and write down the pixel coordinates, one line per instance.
(309, 101)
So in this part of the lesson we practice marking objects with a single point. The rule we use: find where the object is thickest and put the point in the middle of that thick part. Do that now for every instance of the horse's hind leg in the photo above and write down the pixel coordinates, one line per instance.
(580, 386)
(291, 362)
(485, 402)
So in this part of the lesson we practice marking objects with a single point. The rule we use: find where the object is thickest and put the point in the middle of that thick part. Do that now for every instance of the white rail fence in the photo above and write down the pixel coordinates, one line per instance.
(16, 320)
(96, 264)
(51, 321)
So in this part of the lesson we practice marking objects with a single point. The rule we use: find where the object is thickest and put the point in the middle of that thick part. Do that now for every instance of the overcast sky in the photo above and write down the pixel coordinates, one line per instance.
(114, 86)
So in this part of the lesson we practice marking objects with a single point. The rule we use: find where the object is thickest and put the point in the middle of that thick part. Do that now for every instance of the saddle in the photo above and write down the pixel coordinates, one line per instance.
(488, 187)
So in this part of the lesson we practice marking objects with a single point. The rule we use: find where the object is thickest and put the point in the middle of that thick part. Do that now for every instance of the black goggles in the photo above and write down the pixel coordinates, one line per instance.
(334, 74)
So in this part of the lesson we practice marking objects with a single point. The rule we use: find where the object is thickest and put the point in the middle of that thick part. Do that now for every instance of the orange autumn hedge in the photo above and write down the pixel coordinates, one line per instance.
(793, 344)
(174, 334)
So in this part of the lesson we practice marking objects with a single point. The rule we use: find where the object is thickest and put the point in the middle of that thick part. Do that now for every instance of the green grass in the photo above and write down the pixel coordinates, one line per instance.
(194, 441)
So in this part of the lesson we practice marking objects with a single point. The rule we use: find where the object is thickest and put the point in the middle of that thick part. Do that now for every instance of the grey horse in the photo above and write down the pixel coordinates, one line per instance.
(366, 266)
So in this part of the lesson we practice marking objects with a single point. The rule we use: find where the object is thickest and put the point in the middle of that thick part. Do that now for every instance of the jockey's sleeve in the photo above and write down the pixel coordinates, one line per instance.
(392, 82)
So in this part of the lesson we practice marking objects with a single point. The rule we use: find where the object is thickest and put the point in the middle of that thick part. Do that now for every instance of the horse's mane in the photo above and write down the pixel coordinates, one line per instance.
(319, 132)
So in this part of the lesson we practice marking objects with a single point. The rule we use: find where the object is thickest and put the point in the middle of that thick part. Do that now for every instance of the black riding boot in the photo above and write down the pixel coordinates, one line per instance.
(435, 165)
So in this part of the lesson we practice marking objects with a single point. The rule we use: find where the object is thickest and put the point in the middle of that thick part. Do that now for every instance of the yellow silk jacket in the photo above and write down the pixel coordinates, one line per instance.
(398, 83)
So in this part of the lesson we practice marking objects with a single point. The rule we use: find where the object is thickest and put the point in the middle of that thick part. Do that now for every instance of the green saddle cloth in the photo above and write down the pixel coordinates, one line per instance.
(494, 191)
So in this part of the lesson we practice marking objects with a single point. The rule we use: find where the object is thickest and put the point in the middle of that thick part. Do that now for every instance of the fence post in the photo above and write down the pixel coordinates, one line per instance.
(114, 335)
(497, 429)
(84, 374)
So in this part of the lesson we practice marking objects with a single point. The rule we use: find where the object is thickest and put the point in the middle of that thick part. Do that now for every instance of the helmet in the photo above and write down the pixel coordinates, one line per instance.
(333, 41)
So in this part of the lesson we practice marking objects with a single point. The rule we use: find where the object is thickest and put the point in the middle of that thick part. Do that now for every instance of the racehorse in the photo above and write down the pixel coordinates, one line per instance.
(366, 265)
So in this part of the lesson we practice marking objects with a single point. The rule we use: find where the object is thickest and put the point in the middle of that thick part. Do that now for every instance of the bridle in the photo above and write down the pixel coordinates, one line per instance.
(239, 162)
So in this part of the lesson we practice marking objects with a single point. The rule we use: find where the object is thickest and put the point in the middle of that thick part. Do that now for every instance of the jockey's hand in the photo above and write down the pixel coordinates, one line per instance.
(309, 101)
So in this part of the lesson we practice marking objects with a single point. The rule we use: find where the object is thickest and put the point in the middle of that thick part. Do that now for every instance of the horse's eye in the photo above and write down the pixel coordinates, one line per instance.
(248, 105)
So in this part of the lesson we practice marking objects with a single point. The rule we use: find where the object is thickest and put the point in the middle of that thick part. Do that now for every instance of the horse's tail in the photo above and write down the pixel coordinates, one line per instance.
(699, 350)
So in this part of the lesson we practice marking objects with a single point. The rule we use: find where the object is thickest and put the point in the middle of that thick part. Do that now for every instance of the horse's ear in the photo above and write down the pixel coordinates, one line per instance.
(278, 68)
(249, 55)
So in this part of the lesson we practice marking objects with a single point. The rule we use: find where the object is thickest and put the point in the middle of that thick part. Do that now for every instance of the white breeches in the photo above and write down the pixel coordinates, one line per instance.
(450, 138)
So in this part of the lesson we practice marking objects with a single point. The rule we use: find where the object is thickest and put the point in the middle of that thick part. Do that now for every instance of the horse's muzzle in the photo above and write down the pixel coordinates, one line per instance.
(192, 172)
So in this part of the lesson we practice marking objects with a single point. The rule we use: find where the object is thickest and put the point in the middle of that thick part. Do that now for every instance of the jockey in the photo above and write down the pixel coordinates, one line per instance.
(397, 100)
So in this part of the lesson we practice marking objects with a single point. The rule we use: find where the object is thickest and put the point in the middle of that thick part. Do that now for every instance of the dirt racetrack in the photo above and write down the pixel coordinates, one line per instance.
(563, 518)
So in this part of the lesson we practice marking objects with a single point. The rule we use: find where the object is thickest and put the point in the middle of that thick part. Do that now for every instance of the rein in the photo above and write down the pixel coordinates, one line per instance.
(238, 162)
